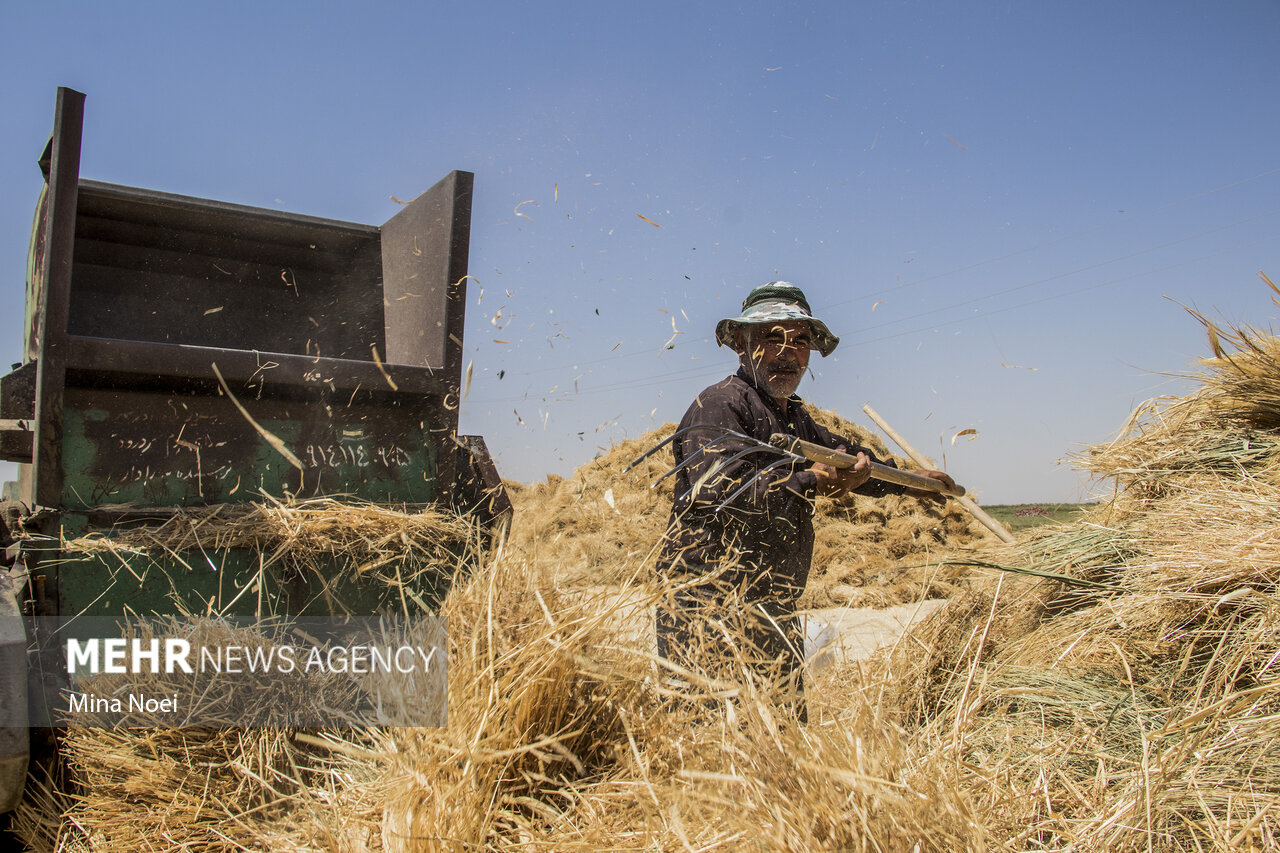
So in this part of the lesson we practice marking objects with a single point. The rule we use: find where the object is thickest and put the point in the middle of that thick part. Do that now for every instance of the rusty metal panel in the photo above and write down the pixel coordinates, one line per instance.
(165, 268)
(145, 448)
(45, 483)
(424, 268)
(340, 342)
(480, 490)
(100, 589)
(162, 365)
(338, 353)
(18, 403)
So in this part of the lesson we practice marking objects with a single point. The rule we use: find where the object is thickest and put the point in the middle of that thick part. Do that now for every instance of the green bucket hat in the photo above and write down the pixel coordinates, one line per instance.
(772, 303)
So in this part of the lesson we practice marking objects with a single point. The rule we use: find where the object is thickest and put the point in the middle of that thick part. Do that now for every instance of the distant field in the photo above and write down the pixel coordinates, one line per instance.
(1024, 516)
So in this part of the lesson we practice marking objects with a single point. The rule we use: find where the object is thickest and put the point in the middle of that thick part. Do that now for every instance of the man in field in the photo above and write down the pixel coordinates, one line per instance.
(742, 568)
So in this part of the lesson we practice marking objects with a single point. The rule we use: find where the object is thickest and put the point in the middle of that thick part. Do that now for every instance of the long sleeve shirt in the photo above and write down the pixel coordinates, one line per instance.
(764, 537)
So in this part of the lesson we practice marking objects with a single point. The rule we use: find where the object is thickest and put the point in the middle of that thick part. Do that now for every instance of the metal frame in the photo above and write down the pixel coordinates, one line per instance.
(119, 329)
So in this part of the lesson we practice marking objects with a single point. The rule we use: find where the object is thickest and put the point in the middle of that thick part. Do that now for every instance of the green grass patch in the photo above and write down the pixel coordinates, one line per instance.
(1025, 516)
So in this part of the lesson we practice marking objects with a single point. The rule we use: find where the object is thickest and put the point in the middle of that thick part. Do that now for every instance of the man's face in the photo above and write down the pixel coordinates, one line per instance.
(776, 354)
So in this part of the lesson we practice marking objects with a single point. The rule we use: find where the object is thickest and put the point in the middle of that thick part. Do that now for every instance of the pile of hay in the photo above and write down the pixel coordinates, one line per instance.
(364, 539)
(598, 522)
(565, 738)
(233, 783)
(868, 552)
(560, 733)
(202, 790)
(1137, 708)
(1125, 698)
(561, 736)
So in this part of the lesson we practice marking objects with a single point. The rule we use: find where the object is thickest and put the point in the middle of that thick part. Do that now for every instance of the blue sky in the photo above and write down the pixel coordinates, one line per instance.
(1000, 207)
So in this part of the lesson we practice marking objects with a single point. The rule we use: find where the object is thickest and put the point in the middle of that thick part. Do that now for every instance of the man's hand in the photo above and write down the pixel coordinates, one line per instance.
(933, 497)
(834, 482)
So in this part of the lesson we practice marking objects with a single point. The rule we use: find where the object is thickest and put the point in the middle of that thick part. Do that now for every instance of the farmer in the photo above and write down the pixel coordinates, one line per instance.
(740, 570)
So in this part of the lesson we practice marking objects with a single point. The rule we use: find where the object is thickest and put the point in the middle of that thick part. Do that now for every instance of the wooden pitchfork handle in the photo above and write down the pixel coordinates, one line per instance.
(836, 459)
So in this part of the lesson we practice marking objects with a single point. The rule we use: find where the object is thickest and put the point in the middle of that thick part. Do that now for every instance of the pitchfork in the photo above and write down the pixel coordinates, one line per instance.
(790, 450)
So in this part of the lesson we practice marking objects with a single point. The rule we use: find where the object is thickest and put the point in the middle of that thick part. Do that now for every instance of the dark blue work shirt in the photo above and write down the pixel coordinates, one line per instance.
(765, 535)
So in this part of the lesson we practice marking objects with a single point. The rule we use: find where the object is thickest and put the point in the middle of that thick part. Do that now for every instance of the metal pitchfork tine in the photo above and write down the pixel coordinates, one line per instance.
(787, 459)
(755, 445)
(720, 465)
(693, 457)
(724, 433)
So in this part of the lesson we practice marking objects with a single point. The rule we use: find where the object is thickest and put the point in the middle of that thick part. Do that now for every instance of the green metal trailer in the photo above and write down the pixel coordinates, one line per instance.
(184, 353)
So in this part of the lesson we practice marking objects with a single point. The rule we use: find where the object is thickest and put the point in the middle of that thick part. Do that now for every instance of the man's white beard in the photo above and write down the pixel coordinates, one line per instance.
(779, 386)
(783, 388)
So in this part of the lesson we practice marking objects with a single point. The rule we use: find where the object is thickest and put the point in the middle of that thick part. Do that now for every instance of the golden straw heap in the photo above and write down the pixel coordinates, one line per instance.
(1110, 684)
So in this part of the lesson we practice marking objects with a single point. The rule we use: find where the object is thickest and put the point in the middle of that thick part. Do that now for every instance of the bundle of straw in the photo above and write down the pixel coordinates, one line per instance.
(598, 523)
(563, 734)
(368, 539)
(1126, 697)
(1140, 709)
